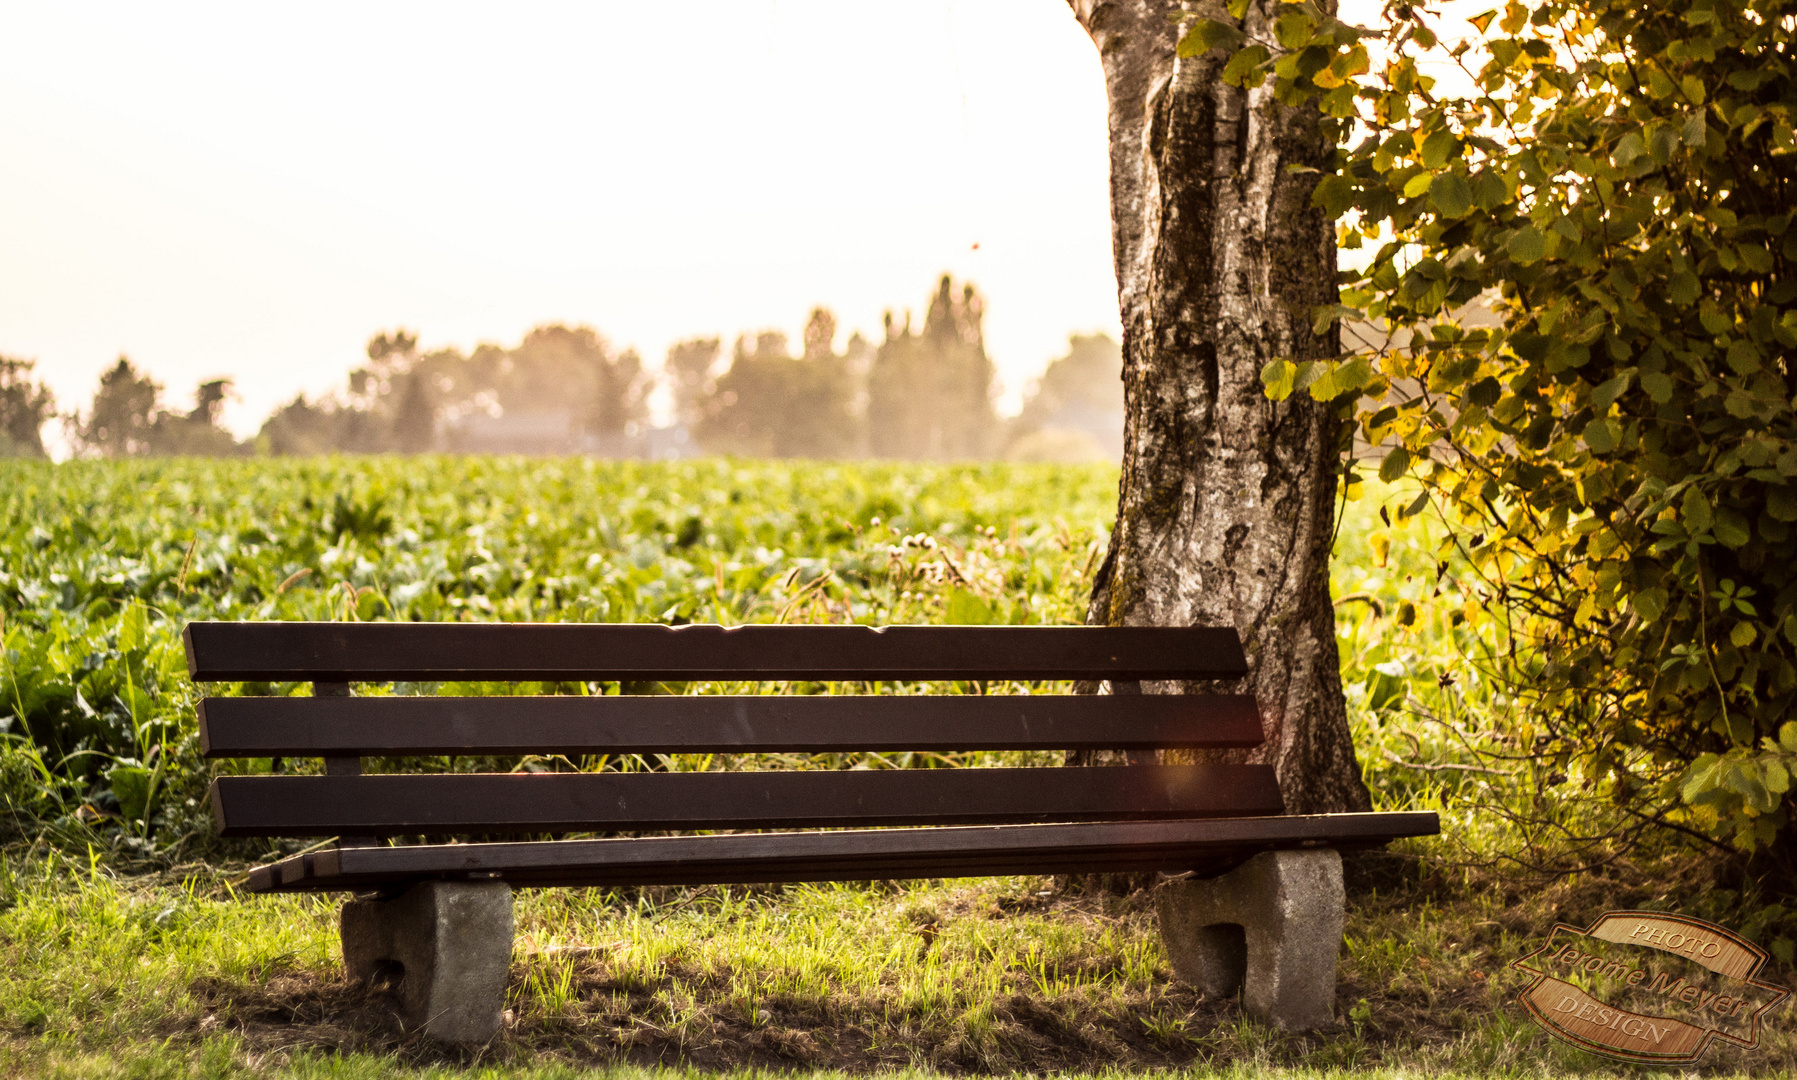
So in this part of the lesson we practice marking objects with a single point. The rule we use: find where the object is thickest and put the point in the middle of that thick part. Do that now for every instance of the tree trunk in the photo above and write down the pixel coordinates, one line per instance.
(1225, 512)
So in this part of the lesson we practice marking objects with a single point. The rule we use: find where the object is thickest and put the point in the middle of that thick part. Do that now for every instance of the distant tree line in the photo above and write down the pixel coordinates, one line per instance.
(923, 392)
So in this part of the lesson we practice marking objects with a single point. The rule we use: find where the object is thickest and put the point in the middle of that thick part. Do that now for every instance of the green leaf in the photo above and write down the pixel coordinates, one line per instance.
(1527, 245)
(1682, 288)
(1489, 189)
(1700, 778)
(1775, 776)
(1485, 392)
(1757, 258)
(1743, 357)
(1695, 132)
(1695, 512)
(1208, 34)
(1243, 67)
(1438, 147)
(1334, 194)
(1309, 371)
(1451, 195)
(1629, 148)
(1743, 634)
(966, 609)
(1334, 380)
(1781, 502)
(134, 627)
(1651, 603)
(1386, 686)
(1604, 394)
(131, 786)
(1418, 184)
(1658, 386)
(1740, 404)
(1294, 29)
(1600, 437)
(1787, 735)
(1395, 465)
(1277, 377)
(1731, 528)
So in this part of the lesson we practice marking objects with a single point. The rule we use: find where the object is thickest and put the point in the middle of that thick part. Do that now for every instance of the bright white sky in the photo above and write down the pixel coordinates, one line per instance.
(253, 190)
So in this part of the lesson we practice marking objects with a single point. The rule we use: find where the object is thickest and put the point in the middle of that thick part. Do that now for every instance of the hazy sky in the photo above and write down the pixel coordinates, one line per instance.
(253, 190)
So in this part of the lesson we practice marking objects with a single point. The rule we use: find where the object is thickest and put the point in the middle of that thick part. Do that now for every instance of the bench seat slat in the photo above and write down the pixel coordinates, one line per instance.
(392, 726)
(1204, 846)
(484, 803)
(385, 652)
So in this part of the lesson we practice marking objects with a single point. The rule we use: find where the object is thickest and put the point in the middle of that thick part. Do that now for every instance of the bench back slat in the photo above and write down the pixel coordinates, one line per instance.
(395, 726)
(384, 652)
(462, 803)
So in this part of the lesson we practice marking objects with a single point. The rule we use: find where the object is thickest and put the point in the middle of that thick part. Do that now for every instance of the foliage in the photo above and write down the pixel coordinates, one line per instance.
(123, 411)
(921, 395)
(769, 403)
(929, 393)
(560, 389)
(127, 419)
(1077, 398)
(25, 407)
(1615, 456)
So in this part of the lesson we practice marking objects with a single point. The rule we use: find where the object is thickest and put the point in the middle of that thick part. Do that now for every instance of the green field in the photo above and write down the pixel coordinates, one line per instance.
(123, 951)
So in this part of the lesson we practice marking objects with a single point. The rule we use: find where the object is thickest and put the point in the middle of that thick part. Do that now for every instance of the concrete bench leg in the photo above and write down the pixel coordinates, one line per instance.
(449, 946)
(1274, 922)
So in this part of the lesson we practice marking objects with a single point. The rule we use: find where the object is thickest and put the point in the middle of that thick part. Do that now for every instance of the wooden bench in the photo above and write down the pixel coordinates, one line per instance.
(441, 926)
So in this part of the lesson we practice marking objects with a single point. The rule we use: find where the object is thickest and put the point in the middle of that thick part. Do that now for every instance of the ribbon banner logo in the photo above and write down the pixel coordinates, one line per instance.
(1649, 987)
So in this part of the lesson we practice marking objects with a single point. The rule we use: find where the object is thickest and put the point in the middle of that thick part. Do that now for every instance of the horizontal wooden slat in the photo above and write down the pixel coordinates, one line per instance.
(461, 803)
(381, 652)
(1205, 846)
(391, 726)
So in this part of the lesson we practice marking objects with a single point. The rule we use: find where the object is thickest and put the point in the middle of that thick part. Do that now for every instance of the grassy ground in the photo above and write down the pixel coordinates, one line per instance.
(109, 976)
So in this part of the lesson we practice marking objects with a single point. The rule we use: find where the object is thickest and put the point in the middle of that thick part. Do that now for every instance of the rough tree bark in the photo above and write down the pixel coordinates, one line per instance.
(1226, 505)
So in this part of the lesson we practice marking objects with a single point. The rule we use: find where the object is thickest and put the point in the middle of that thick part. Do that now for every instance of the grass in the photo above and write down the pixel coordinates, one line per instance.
(110, 975)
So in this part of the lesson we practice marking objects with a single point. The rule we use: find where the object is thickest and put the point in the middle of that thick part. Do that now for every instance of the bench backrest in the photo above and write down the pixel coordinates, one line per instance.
(342, 729)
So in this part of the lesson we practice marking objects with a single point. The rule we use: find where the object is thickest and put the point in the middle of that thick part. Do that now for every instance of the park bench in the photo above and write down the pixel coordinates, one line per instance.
(1258, 903)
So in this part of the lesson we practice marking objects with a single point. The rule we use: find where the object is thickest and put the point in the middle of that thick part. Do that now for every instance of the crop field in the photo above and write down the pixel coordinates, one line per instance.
(124, 951)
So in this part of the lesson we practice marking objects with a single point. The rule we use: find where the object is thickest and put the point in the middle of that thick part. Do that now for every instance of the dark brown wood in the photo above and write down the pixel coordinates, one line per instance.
(333, 765)
(1202, 818)
(1205, 846)
(390, 726)
(462, 803)
(383, 652)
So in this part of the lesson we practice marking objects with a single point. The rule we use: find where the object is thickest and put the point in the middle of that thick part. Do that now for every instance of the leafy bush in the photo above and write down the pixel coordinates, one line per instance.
(1616, 456)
